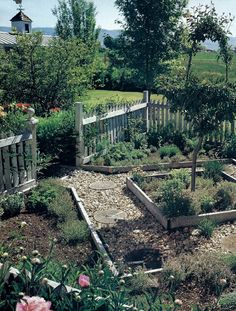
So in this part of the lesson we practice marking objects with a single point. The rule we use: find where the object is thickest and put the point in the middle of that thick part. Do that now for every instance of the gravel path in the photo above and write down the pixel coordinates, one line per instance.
(139, 229)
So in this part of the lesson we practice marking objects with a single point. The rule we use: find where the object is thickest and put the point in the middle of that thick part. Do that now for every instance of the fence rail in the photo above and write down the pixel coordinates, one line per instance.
(18, 159)
(111, 125)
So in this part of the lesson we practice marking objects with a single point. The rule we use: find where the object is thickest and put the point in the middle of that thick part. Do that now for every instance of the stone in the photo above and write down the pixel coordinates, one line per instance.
(196, 232)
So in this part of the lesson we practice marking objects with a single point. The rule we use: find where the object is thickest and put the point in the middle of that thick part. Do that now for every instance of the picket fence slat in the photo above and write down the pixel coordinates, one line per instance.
(155, 114)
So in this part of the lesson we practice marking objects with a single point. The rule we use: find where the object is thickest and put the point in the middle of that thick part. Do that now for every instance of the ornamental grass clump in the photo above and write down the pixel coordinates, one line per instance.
(11, 205)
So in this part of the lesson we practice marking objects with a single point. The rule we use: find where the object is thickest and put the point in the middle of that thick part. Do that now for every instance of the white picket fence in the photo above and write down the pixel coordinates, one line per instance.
(112, 123)
(18, 156)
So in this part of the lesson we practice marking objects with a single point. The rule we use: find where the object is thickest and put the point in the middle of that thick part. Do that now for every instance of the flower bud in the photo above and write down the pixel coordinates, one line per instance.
(23, 224)
(21, 249)
(23, 258)
(223, 282)
(65, 267)
(100, 272)
(5, 255)
(35, 253)
(35, 261)
(44, 281)
(21, 294)
(122, 282)
(178, 302)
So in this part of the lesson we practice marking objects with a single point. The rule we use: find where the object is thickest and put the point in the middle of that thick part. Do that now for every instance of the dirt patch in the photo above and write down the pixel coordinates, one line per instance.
(230, 169)
(37, 234)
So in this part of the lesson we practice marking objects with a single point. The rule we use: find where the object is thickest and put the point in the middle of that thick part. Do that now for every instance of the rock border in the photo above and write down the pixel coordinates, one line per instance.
(176, 222)
(147, 167)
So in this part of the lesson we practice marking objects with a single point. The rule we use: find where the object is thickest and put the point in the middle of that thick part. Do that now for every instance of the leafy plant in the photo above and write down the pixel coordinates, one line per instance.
(181, 174)
(11, 205)
(213, 170)
(169, 151)
(228, 301)
(74, 231)
(174, 201)
(229, 147)
(207, 227)
(225, 196)
(207, 203)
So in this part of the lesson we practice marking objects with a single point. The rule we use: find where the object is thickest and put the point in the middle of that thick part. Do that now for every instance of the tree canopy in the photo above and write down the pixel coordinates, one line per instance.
(76, 18)
(151, 31)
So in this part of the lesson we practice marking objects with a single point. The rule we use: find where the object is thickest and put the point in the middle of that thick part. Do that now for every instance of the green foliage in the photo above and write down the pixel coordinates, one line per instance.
(225, 197)
(181, 174)
(49, 76)
(40, 198)
(120, 153)
(169, 151)
(173, 274)
(149, 39)
(207, 227)
(55, 136)
(138, 178)
(230, 261)
(74, 231)
(168, 135)
(13, 122)
(11, 205)
(174, 201)
(213, 170)
(207, 203)
(228, 301)
(61, 208)
(229, 147)
(76, 19)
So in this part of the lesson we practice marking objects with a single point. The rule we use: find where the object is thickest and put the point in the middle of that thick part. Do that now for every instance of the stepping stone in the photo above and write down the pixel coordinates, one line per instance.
(110, 216)
(102, 185)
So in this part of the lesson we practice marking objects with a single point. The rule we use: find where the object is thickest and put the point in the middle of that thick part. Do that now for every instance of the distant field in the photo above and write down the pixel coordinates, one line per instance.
(206, 64)
(101, 97)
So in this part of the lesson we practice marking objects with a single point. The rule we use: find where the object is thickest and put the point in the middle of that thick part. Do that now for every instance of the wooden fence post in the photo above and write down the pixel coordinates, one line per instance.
(32, 124)
(146, 100)
(79, 134)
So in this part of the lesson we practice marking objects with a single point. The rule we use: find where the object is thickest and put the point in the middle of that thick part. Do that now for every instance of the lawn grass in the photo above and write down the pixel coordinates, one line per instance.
(94, 98)
(205, 64)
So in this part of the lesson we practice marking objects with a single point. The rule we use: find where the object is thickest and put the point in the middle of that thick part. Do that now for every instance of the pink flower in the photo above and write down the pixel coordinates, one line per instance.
(33, 304)
(84, 280)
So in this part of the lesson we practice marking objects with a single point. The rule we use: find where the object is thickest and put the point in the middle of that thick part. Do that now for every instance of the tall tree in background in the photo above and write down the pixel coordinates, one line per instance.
(150, 29)
(76, 18)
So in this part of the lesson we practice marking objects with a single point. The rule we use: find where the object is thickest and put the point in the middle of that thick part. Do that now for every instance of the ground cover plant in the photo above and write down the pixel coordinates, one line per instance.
(173, 196)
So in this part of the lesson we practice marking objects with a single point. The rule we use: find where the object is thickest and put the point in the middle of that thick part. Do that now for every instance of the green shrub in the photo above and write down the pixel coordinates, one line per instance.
(138, 178)
(230, 260)
(174, 201)
(74, 232)
(207, 227)
(207, 203)
(229, 147)
(14, 122)
(62, 207)
(207, 270)
(169, 151)
(40, 197)
(173, 274)
(11, 205)
(183, 175)
(225, 196)
(212, 170)
(228, 301)
(55, 136)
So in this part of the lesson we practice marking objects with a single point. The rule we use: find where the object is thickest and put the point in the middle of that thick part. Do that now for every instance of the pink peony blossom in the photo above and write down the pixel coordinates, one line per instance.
(33, 304)
(84, 280)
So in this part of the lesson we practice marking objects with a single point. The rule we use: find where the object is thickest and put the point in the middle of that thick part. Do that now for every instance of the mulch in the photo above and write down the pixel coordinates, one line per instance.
(38, 233)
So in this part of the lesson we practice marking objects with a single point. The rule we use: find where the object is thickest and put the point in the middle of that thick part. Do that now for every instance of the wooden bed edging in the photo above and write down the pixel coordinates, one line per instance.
(177, 222)
(98, 241)
(146, 167)
(93, 232)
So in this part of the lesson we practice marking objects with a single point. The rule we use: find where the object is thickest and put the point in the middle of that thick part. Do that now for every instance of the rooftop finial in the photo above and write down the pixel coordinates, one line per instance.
(20, 4)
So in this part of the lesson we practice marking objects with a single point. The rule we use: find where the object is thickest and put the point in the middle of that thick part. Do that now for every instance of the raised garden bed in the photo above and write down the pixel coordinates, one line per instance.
(147, 167)
(180, 221)
(28, 230)
(230, 171)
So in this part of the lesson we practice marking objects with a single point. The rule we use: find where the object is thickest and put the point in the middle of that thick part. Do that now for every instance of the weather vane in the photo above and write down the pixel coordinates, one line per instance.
(20, 4)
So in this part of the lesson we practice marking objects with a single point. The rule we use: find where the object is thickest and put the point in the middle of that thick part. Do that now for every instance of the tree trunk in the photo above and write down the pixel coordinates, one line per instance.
(194, 163)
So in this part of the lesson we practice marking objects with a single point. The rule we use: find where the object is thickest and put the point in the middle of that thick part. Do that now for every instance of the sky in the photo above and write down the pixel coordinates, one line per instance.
(40, 11)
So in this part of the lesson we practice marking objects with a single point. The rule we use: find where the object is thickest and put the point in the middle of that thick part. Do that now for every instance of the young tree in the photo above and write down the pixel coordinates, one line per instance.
(205, 104)
(76, 18)
(150, 33)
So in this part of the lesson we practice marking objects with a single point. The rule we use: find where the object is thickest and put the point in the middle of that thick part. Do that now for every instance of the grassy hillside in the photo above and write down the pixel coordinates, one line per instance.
(100, 97)
(205, 64)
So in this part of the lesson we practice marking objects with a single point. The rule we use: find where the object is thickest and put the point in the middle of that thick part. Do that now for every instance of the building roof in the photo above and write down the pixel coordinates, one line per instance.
(21, 17)
(9, 40)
